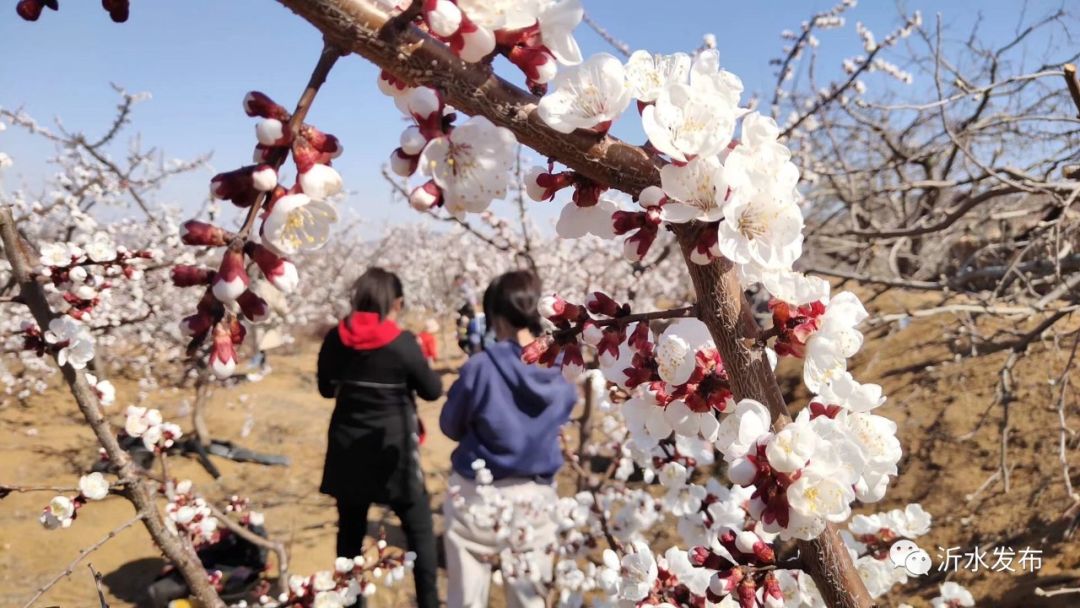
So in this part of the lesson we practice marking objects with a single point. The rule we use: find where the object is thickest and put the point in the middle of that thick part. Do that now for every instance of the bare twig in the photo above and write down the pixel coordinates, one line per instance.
(618, 45)
(81, 556)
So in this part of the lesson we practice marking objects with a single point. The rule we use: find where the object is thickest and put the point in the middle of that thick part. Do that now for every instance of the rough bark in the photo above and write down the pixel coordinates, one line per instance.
(136, 489)
(413, 56)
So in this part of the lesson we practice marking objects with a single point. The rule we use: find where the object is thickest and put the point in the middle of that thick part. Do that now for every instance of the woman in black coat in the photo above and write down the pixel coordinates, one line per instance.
(373, 369)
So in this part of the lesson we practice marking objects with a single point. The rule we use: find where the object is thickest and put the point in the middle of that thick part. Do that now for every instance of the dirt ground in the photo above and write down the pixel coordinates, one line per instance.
(937, 402)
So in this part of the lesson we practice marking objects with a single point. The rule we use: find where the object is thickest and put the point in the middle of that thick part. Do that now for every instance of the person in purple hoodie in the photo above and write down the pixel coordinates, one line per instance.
(508, 415)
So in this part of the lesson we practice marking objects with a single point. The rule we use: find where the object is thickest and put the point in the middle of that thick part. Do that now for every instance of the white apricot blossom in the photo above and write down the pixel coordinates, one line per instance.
(75, 343)
(59, 513)
(471, 165)
(94, 486)
(697, 191)
(648, 74)
(557, 20)
(695, 118)
(298, 223)
(836, 339)
(587, 96)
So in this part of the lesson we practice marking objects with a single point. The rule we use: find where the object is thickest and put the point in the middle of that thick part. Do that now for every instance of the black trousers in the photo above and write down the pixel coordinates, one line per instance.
(419, 530)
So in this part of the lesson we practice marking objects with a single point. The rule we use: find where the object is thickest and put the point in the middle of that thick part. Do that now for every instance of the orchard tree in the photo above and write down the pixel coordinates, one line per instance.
(716, 179)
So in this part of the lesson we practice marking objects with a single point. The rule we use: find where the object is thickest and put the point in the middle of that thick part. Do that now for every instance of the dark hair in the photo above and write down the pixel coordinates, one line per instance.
(513, 296)
(375, 291)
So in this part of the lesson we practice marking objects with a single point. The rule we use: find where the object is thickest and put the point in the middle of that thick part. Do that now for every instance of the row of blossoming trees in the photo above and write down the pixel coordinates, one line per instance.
(716, 183)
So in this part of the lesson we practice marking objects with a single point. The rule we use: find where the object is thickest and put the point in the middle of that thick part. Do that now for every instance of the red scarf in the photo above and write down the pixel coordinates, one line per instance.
(365, 331)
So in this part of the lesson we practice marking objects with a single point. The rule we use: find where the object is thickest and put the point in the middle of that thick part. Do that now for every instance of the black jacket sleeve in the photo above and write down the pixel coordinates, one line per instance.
(332, 356)
(421, 378)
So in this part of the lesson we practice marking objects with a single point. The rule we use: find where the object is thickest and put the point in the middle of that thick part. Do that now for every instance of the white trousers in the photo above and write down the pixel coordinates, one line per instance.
(470, 550)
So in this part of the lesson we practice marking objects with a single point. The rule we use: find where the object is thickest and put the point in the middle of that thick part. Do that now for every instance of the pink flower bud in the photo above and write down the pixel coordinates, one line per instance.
(253, 307)
(533, 189)
(551, 306)
(190, 276)
(243, 183)
(472, 42)
(591, 333)
(442, 16)
(280, 272)
(223, 353)
(258, 104)
(320, 182)
(573, 364)
(425, 197)
(724, 582)
(412, 141)
(231, 279)
(272, 132)
(402, 164)
(536, 62)
(202, 234)
(773, 595)
(391, 85)
(747, 593)
(653, 196)
(422, 103)
(745, 541)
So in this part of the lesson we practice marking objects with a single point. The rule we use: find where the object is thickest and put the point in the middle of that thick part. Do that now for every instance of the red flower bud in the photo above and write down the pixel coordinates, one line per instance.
(30, 10)
(244, 183)
(258, 104)
(280, 272)
(189, 276)
(194, 232)
(118, 9)
(323, 142)
(425, 197)
(305, 155)
(223, 354)
(231, 279)
(747, 593)
(600, 303)
(402, 164)
(253, 307)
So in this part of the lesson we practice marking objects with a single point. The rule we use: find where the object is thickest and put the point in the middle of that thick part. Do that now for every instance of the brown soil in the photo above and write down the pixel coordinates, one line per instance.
(937, 401)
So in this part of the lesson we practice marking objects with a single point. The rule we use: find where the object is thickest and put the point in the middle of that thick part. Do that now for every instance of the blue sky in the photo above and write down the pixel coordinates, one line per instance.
(199, 57)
